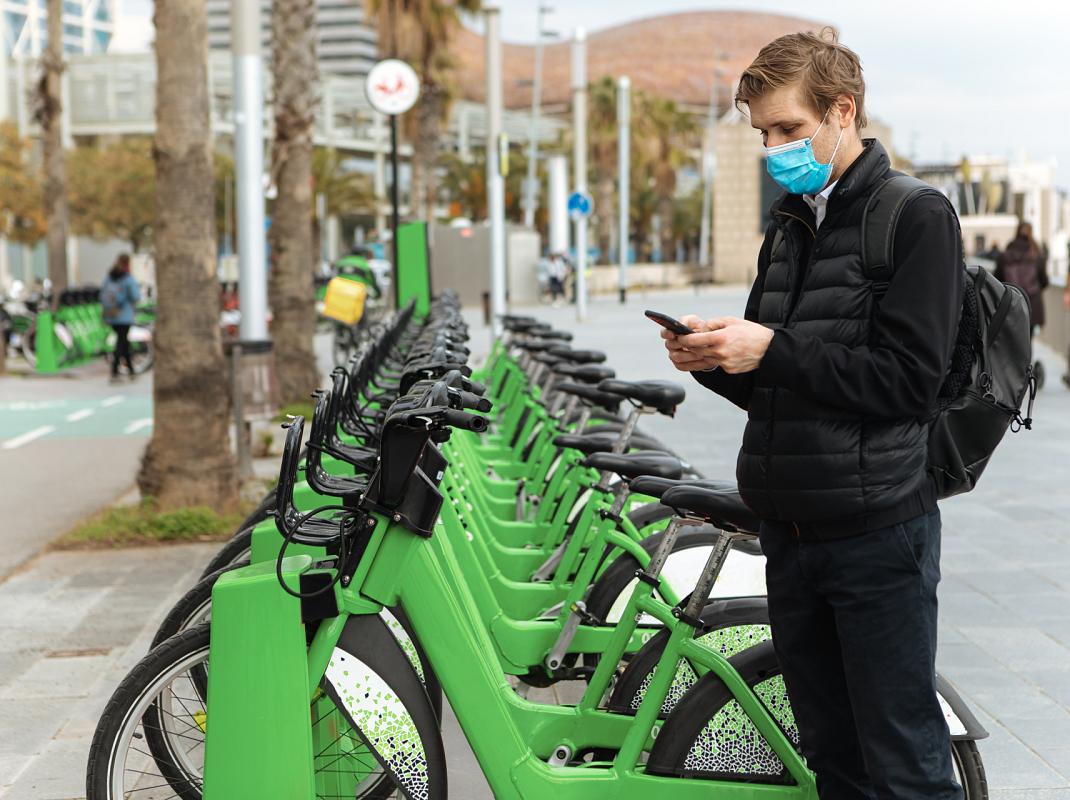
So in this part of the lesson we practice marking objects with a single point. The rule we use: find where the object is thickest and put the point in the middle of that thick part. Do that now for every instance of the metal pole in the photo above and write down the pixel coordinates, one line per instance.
(249, 167)
(557, 203)
(495, 181)
(241, 441)
(394, 200)
(624, 163)
(531, 188)
(5, 107)
(707, 180)
(579, 161)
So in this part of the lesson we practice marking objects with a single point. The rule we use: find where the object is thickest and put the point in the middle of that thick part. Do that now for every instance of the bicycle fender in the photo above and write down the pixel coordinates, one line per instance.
(960, 720)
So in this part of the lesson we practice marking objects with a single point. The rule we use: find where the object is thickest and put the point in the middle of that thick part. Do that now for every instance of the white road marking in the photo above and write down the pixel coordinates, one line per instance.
(80, 414)
(112, 400)
(138, 424)
(27, 437)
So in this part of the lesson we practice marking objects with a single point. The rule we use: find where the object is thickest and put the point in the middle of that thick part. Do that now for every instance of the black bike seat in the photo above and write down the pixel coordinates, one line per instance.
(579, 356)
(520, 324)
(665, 396)
(546, 332)
(610, 402)
(535, 345)
(725, 509)
(586, 373)
(656, 487)
(547, 358)
(632, 465)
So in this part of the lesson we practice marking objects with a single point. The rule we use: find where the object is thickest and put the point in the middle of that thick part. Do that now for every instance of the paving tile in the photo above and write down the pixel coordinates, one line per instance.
(64, 676)
(58, 774)
(1019, 647)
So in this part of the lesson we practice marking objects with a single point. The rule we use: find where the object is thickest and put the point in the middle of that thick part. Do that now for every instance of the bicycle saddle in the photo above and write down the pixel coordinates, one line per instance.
(610, 402)
(535, 345)
(579, 356)
(632, 465)
(546, 332)
(656, 487)
(725, 509)
(586, 373)
(664, 396)
(548, 358)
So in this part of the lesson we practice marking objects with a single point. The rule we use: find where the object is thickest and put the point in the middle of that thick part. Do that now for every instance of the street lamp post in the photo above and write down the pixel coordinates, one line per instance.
(623, 164)
(579, 161)
(530, 186)
(249, 167)
(495, 180)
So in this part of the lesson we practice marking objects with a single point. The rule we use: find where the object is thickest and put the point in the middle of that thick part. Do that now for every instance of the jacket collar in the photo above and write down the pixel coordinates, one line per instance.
(857, 181)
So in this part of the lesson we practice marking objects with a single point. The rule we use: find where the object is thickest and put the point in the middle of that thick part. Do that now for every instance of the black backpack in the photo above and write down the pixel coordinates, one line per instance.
(991, 369)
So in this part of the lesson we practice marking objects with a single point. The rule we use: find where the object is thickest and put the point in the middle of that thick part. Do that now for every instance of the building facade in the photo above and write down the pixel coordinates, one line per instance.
(347, 44)
(88, 26)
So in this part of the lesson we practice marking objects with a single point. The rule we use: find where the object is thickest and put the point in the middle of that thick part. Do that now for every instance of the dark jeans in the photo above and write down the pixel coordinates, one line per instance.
(854, 627)
(122, 349)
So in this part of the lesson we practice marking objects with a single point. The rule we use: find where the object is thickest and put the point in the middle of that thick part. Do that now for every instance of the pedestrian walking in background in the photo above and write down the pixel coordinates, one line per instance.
(1066, 305)
(118, 295)
(1025, 264)
(559, 270)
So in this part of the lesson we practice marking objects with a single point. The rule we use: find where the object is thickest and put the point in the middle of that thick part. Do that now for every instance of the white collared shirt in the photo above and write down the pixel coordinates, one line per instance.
(818, 203)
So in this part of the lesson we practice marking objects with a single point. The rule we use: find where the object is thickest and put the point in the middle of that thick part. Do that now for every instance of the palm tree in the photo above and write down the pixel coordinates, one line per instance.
(419, 31)
(293, 255)
(188, 459)
(49, 116)
(602, 140)
(667, 140)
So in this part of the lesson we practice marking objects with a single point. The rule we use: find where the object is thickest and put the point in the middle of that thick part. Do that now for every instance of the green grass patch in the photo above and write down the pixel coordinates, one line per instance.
(303, 409)
(131, 526)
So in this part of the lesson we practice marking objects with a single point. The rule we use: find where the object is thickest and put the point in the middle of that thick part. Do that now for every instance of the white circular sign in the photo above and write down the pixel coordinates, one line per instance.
(392, 87)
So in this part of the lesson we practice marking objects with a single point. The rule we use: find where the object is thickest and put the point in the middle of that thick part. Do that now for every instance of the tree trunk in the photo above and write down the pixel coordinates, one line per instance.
(49, 116)
(188, 459)
(431, 111)
(668, 241)
(607, 212)
(293, 302)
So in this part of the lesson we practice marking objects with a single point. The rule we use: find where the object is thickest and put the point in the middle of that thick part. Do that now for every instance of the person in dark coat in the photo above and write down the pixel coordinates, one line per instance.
(1025, 264)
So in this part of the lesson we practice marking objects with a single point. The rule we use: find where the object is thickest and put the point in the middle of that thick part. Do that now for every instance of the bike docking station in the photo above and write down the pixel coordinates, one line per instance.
(260, 676)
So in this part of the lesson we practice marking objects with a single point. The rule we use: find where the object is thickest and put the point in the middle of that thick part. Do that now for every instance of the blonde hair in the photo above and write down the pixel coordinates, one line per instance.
(823, 68)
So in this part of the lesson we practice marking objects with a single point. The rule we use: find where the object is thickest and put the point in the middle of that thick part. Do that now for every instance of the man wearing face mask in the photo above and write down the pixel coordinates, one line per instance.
(833, 460)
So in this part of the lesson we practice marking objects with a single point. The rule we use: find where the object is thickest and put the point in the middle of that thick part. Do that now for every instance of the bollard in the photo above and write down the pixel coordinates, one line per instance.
(241, 437)
(486, 308)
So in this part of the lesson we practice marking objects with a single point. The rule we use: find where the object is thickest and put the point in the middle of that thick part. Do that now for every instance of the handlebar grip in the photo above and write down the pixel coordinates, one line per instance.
(475, 387)
(474, 401)
(464, 420)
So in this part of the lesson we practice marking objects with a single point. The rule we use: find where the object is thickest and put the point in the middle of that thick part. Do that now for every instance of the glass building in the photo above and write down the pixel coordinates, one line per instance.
(88, 26)
(346, 45)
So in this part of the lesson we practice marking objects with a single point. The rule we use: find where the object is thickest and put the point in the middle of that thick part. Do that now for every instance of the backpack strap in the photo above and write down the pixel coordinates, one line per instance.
(879, 219)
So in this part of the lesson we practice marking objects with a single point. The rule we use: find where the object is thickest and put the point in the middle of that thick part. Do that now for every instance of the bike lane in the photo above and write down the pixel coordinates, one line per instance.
(68, 446)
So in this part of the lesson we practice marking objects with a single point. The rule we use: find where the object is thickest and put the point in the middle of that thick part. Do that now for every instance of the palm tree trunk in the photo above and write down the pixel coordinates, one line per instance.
(188, 459)
(293, 302)
(604, 202)
(49, 116)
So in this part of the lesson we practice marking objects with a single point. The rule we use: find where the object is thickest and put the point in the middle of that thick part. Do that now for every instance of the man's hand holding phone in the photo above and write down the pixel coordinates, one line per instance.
(735, 345)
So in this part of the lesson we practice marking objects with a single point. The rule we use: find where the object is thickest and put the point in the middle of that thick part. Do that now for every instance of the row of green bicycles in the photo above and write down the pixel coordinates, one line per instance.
(443, 534)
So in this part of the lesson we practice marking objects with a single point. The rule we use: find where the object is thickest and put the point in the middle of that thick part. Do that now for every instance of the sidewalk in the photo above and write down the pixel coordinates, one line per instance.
(72, 623)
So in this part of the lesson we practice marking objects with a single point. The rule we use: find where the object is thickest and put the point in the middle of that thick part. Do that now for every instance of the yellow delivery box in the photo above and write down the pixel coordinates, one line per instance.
(344, 301)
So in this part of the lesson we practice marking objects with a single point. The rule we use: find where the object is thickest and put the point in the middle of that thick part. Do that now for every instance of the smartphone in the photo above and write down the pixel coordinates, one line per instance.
(666, 321)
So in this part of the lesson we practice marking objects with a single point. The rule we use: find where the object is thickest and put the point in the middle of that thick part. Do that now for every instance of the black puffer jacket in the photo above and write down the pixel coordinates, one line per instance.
(836, 441)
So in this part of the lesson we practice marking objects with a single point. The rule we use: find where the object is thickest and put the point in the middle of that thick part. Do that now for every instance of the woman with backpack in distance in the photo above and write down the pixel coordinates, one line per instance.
(119, 295)
(1025, 264)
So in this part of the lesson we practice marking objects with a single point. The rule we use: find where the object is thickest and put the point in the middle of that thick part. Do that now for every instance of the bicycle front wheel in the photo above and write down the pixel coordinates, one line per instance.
(149, 743)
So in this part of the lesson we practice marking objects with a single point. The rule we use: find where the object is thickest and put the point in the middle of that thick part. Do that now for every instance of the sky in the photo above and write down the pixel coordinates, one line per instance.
(951, 77)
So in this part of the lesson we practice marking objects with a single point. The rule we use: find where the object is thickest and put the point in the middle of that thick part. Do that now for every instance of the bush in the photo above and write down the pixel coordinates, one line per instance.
(128, 526)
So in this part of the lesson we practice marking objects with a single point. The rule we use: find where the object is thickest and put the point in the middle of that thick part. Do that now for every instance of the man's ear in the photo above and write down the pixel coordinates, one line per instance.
(845, 110)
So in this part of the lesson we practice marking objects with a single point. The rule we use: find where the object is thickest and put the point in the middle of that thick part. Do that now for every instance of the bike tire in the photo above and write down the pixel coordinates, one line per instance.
(123, 715)
(236, 550)
(708, 721)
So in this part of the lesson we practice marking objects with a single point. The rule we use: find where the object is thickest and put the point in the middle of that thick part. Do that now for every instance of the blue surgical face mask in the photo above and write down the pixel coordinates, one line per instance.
(794, 166)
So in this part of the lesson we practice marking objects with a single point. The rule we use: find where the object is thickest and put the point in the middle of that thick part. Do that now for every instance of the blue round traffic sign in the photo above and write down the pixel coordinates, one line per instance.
(579, 205)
